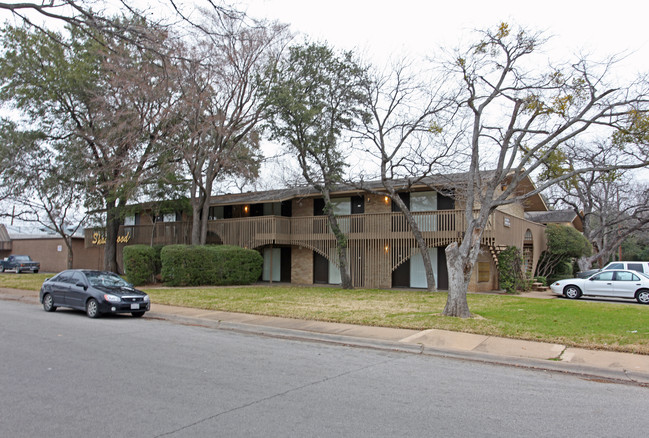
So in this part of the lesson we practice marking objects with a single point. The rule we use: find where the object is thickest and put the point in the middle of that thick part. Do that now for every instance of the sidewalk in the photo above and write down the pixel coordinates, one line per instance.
(625, 367)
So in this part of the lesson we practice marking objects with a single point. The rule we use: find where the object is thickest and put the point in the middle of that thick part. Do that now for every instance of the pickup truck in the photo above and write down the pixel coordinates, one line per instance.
(19, 263)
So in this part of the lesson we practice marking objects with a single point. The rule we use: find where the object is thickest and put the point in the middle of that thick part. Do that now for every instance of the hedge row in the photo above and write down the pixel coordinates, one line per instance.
(185, 265)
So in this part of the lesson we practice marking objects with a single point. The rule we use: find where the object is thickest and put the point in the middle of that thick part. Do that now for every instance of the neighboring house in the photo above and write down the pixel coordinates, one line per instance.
(292, 233)
(50, 250)
(560, 217)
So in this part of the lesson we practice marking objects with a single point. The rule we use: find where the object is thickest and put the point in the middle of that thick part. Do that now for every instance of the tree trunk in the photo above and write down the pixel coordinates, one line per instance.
(341, 244)
(112, 228)
(205, 214)
(68, 243)
(458, 283)
(419, 238)
(460, 260)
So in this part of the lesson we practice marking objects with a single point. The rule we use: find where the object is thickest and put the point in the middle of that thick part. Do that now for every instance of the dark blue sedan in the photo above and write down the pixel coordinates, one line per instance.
(95, 292)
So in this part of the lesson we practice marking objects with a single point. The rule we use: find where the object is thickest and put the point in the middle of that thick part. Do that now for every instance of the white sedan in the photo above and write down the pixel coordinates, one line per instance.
(617, 284)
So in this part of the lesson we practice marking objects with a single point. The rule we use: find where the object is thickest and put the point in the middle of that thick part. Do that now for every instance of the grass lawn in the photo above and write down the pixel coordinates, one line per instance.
(610, 326)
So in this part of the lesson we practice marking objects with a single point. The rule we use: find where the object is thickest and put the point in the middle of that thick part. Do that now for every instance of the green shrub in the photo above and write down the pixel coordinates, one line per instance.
(184, 265)
(139, 264)
(510, 270)
(542, 280)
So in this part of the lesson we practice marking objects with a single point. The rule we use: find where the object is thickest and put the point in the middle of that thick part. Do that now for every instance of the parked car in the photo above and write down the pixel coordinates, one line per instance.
(586, 274)
(608, 283)
(19, 263)
(631, 266)
(95, 292)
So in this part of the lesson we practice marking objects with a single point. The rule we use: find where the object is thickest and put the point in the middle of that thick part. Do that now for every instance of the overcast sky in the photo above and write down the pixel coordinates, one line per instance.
(417, 27)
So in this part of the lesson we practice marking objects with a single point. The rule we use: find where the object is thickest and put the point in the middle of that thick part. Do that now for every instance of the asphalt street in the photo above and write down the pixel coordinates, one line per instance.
(63, 375)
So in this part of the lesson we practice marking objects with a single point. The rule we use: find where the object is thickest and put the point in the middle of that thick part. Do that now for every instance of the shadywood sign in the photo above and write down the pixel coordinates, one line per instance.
(100, 239)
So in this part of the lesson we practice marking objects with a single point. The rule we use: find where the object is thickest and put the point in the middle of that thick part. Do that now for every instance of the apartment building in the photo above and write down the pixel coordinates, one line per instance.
(289, 228)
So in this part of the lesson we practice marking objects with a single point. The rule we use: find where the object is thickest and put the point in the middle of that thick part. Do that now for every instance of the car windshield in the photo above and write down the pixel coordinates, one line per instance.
(22, 258)
(106, 279)
(643, 275)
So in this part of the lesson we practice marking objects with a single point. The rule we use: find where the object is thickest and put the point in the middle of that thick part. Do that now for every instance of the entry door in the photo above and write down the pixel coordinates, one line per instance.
(417, 270)
(272, 264)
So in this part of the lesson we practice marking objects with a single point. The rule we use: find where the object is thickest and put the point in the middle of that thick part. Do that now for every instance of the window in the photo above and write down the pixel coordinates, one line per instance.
(615, 266)
(484, 272)
(604, 276)
(635, 267)
(626, 276)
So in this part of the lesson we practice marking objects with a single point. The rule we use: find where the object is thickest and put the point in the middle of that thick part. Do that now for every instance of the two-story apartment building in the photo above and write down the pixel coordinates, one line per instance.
(290, 230)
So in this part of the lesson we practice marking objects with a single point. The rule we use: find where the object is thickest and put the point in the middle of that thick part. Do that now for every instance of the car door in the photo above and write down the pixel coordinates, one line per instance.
(76, 296)
(59, 286)
(625, 284)
(600, 284)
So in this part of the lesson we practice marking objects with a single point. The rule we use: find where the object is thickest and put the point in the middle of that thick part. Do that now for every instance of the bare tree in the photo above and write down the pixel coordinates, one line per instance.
(517, 119)
(221, 105)
(403, 117)
(40, 188)
(610, 204)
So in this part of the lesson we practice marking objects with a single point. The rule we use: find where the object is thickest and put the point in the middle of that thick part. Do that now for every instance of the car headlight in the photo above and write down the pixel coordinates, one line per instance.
(146, 298)
(112, 298)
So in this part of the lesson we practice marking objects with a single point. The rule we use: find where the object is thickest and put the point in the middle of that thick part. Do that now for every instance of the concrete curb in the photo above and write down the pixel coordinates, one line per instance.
(584, 371)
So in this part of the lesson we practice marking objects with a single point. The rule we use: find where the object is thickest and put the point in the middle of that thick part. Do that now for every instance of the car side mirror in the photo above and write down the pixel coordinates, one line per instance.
(82, 285)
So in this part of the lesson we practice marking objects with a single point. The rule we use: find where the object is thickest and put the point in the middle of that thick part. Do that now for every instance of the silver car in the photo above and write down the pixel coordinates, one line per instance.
(609, 283)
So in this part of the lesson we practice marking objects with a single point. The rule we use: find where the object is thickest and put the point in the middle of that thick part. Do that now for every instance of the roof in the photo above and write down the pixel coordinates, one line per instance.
(447, 181)
(555, 217)
(41, 236)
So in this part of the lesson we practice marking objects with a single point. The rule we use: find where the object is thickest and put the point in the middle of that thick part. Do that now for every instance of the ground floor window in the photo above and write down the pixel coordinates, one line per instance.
(484, 272)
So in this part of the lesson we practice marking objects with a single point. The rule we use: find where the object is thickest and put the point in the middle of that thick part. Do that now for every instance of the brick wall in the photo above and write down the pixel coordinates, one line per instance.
(301, 265)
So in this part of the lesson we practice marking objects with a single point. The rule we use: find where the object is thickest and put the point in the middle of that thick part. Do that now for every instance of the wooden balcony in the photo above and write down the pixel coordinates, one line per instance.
(439, 228)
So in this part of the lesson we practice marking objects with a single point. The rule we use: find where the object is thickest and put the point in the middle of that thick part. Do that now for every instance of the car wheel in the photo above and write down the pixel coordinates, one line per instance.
(92, 308)
(36, 271)
(17, 271)
(48, 303)
(572, 292)
(2, 268)
(642, 296)
(137, 314)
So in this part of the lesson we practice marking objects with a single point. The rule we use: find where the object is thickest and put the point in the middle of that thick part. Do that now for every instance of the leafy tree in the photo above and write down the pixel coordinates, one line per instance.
(99, 108)
(315, 97)
(564, 244)
(514, 119)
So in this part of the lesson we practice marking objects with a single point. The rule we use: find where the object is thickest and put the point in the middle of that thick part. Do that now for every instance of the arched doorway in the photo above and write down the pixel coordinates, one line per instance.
(528, 251)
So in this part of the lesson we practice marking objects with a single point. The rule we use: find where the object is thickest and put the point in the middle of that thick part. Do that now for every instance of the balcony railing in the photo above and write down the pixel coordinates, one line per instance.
(439, 228)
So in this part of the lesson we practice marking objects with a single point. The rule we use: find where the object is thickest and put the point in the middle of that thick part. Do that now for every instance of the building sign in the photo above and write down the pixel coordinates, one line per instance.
(100, 239)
